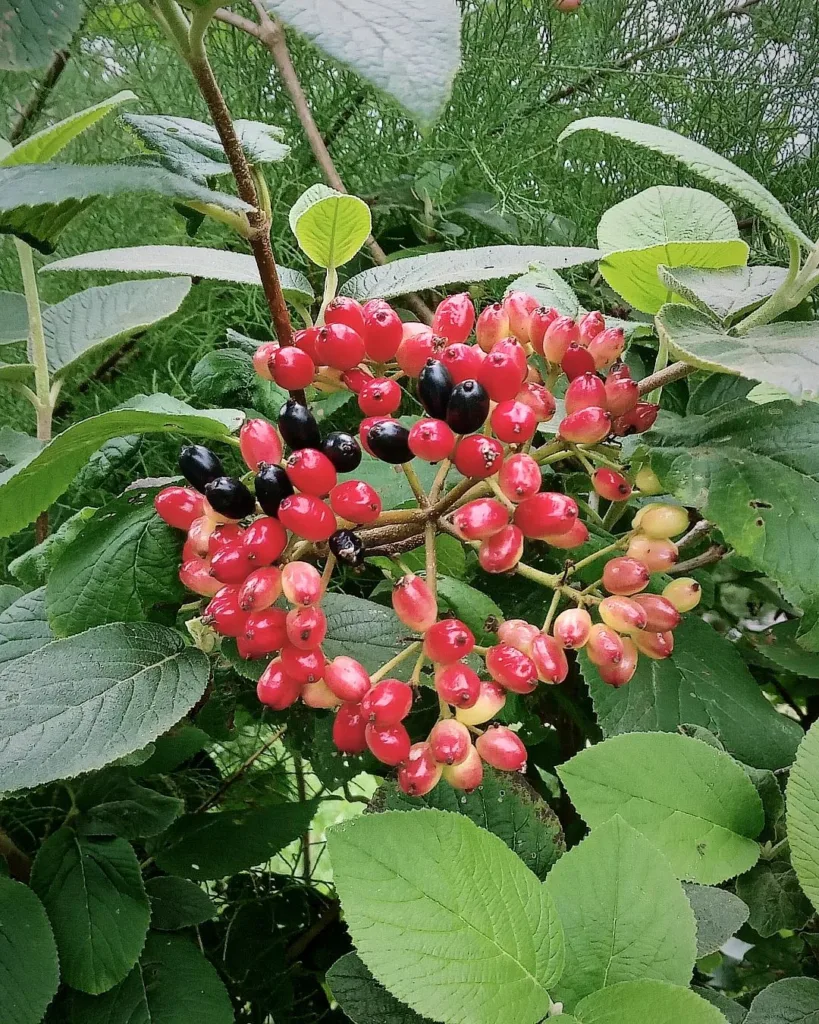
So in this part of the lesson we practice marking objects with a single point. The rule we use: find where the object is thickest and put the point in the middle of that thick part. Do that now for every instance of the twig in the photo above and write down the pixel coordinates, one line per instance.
(393, 662)
(431, 557)
(667, 376)
(240, 772)
(327, 917)
(697, 531)
(19, 863)
(32, 110)
(713, 554)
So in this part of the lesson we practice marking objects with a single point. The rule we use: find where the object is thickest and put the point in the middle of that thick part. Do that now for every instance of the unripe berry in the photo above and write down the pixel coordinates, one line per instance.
(292, 369)
(450, 741)
(261, 589)
(379, 397)
(502, 748)
(414, 603)
(513, 669)
(513, 422)
(480, 519)
(662, 521)
(199, 536)
(178, 506)
(622, 614)
(611, 485)
(357, 501)
(387, 703)
(503, 551)
(637, 420)
(549, 658)
(622, 394)
(458, 684)
(195, 574)
(420, 773)
(661, 613)
(518, 633)
(584, 393)
(431, 440)
(490, 701)
(306, 627)
(448, 641)
(276, 689)
(604, 646)
(232, 564)
(656, 555)
(590, 325)
(467, 775)
(347, 678)
(339, 346)
(619, 674)
(308, 517)
(503, 371)
(571, 628)
(539, 399)
(383, 332)
(260, 443)
(540, 321)
(607, 347)
(349, 727)
(303, 666)
(265, 632)
(319, 695)
(656, 646)
(684, 593)
(587, 426)
(574, 538)
(625, 576)
(519, 477)
(306, 341)
(492, 325)
(391, 744)
(416, 348)
(462, 361)
(224, 613)
(576, 361)
(647, 481)
(559, 335)
(519, 307)
(301, 583)
(262, 356)
(347, 311)
(478, 456)
(454, 318)
(265, 539)
(311, 472)
(546, 513)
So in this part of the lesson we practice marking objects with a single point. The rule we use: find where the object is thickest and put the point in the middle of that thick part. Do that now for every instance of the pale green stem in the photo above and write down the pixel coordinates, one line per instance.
(785, 296)
(415, 484)
(37, 351)
(431, 557)
(660, 363)
(330, 289)
(551, 613)
(391, 664)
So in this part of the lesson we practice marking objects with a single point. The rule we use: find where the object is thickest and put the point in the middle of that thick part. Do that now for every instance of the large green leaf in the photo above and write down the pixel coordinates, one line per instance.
(31, 30)
(172, 984)
(785, 355)
(125, 560)
(189, 261)
(651, 1001)
(675, 227)
(37, 201)
(705, 682)
(699, 159)
(364, 630)
(330, 226)
(8, 595)
(24, 627)
(470, 605)
(436, 269)
(101, 316)
(112, 804)
(779, 645)
(726, 293)
(790, 1001)
(13, 317)
(606, 891)
(93, 893)
(719, 914)
(391, 481)
(693, 802)
(79, 704)
(28, 956)
(754, 471)
(410, 49)
(773, 894)
(363, 999)
(461, 930)
(34, 566)
(30, 486)
(177, 903)
(803, 814)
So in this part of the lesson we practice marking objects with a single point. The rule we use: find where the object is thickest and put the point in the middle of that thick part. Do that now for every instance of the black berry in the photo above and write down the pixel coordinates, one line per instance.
(347, 547)
(229, 497)
(199, 465)
(468, 407)
(342, 450)
(435, 388)
(298, 427)
(389, 441)
(272, 487)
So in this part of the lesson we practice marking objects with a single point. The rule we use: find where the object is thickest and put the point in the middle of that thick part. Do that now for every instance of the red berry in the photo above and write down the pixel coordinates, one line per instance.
(586, 426)
(539, 322)
(611, 485)
(518, 633)
(301, 583)
(179, 506)
(468, 774)
(383, 332)
(349, 727)
(379, 397)
(420, 773)
(607, 347)
(308, 517)
(503, 551)
(661, 615)
(343, 310)
(226, 535)
(450, 741)
(490, 701)
(356, 501)
(492, 325)
(265, 632)
(306, 341)
(622, 614)
(414, 603)
(519, 477)
(539, 399)
(637, 420)
(292, 368)
(224, 613)
(276, 689)
(387, 703)
(585, 392)
(195, 574)
(319, 695)
(480, 519)
(656, 646)
(306, 627)
(339, 346)
(356, 379)
(454, 318)
(390, 744)
(303, 666)
(513, 422)
(546, 513)
(576, 361)
(265, 539)
(311, 471)
(347, 678)
(462, 361)
(550, 659)
(458, 684)
(590, 325)
(574, 538)
(656, 555)
(571, 628)
(478, 456)
(502, 748)
(519, 307)
(513, 669)
(232, 564)
(261, 589)
(448, 641)
(260, 444)
(625, 576)
(604, 646)
(431, 440)
(503, 371)
(621, 672)
(559, 335)
(417, 346)
(622, 394)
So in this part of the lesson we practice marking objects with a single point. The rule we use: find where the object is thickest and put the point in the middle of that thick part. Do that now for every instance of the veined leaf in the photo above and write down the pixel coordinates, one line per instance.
(654, 1001)
(28, 956)
(719, 915)
(726, 293)
(364, 630)
(24, 627)
(31, 30)
(803, 815)
(363, 999)
(13, 317)
(790, 1001)
(177, 903)
(772, 892)
(330, 226)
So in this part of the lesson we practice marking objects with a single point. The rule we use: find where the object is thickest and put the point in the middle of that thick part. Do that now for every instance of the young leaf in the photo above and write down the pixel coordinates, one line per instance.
(78, 704)
(790, 1001)
(677, 227)
(189, 261)
(330, 226)
(361, 997)
(436, 269)
(410, 49)
(606, 891)
(96, 902)
(719, 915)
(727, 293)
(653, 1001)
(699, 159)
(773, 894)
(24, 627)
(31, 30)
(364, 630)
(802, 797)
(421, 922)
(694, 803)
(8, 595)
(28, 956)
(177, 903)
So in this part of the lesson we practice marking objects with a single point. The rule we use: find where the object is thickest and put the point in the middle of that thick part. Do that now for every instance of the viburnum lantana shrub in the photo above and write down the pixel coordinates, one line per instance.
(460, 665)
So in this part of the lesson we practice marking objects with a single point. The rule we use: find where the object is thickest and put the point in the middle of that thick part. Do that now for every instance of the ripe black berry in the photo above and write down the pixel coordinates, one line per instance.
(272, 487)
(199, 465)
(298, 427)
(434, 388)
(468, 407)
(229, 497)
(347, 547)
(389, 441)
(342, 450)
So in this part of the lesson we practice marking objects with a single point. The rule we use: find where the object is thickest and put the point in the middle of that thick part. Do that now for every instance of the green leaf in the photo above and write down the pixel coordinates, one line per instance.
(361, 997)
(726, 293)
(691, 801)
(112, 804)
(410, 51)
(421, 922)
(772, 891)
(434, 270)
(16, 446)
(24, 627)
(177, 903)
(802, 797)
(705, 682)
(391, 482)
(16, 373)
(330, 226)
(607, 891)
(734, 1012)
(449, 552)
(101, 316)
(30, 486)
(472, 606)
(222, 843)
(8, 595)
(31, 30)
(78, 704)
(754, 471)
(504, 805)
(172, 984)
(784, 355)
(790, 1001)
(95, 900)
(364, 630)
(779, 645)
(665, 225)
(719, 916)
(34, 566)
(37, 201)
(124, 562)
(653, 1001)
(28, 956)
(46, 144)
(188, 261)
(13, 317)
(699, 159)
(172, 749)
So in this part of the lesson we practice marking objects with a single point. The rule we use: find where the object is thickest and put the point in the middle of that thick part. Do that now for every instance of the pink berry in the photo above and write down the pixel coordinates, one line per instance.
(590, 325)
(179, 506)
(622, 393)
(519, 307)
(513, 669)
(478, 456)
(607, 347)
(502, 748)
(450, 741)
(199, 536)
(550, 659)
(467, 775)
(540, 321)
(292, 368)
(661, 615)
(306, 627)
(573, 538)
(224, 613)
(347, 678)
(356, 501)
(586, 426)
(462, 361)
(585, 392)
(492, 325)
(625, 576)
(559, 335)
(611, 485)
(387, 703)
(414, 603)
(195, 574)
(431, 440)
(260, 444)
(539, 399)
(261, 589)
(576, 361)
(656, 555)
(656, 646)
(301, 583)
(265, 539)
(339, 346)
(620, 673)
(349, 727)
(390, 744)
(448, 641)
(454, 318)
(513, 422)
(502, 551)
(503, 371)
(232, 564)
(480, 519)
(383, 332)
(379, 397)
(622, 614)
(490, 701)
(637, 420)
(518, 633)
(546, 513)
(262, 358)
(228, 535)
(265, 632)
(420, 773)
(347, 311)
(303, 666)
(519, 477)
(308, 517)
(571, 628)
(416, 348)
(458, 684)
(276, 689)
(319, 695)
(604, 646)
(356, 379)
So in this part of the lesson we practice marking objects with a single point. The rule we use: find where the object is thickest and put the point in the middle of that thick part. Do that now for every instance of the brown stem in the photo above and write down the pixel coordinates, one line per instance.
(19, 863)
(326, 918)
(240, 772)
(676, 371)
(32, 110)
(714, 554)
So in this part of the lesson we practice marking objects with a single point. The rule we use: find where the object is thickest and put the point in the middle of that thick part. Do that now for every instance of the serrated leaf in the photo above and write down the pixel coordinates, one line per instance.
(802, 796)
(188, 261)
(112, 804)
(699, 159)
(470, 605)
(28, 956)
(78, 704)
(691, 801)
(177, 903)
(330, 226)
(790, 1001)
(779, 646)
(96, 902)
(434, 270)
(410, 49)
(34, 566)
(364, 630)
(13, 317)
(30, 486)
(705, 682)
(24, 627)
(653, 1001)
(419, 923)
(727, 293)
(719, 916)
(606, 891)
(734, 1012)
(776, 901)
(8, 595)
(31, 30)
(363, 999)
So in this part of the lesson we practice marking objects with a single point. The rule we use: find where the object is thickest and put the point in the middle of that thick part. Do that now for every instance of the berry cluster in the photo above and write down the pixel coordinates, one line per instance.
(246, 550)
